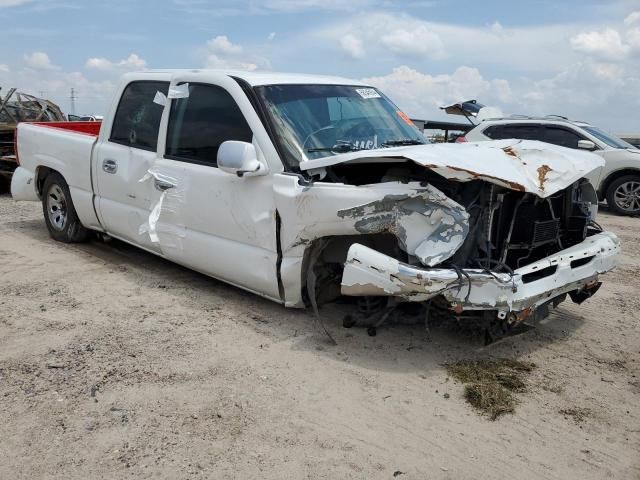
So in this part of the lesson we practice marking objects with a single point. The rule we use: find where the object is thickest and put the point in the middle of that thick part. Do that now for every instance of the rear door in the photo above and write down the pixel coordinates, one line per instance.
(122, 159)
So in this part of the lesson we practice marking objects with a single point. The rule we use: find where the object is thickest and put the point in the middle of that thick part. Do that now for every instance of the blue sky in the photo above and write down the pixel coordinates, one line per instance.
(578, 58)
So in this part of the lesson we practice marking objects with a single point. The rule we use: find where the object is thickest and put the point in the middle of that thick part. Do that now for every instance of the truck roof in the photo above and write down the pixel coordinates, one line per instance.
(260, 77)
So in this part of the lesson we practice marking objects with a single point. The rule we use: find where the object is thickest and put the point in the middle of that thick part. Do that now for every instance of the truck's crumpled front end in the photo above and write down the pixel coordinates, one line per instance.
(499, 249)
(521, 254)
(514, 296)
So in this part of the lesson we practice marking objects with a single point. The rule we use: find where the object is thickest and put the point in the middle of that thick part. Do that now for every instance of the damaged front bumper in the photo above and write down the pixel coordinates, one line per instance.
(576, 269)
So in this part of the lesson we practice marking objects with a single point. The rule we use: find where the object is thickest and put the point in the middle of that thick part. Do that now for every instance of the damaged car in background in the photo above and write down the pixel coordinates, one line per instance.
(311, 189)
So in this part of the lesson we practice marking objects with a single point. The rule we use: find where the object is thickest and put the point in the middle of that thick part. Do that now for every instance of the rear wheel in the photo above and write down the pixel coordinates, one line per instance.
(59, 214)
(623, 195)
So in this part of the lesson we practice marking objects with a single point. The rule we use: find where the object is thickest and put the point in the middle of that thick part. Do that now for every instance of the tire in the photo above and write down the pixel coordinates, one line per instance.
(59, 213)
(623, 195)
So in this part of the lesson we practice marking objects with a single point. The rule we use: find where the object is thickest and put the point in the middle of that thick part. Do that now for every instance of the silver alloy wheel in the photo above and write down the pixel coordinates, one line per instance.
(627, 196)
(57, 207)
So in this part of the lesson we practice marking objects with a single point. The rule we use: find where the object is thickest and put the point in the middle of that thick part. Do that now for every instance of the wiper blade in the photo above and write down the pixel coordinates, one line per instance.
(401, 142)
(340, 148)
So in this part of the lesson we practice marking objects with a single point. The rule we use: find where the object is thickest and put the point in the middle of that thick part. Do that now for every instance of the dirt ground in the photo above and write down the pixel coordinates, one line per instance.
(117, 364)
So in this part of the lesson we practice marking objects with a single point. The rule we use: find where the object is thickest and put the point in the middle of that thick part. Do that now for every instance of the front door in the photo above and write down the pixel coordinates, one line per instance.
(204, 218)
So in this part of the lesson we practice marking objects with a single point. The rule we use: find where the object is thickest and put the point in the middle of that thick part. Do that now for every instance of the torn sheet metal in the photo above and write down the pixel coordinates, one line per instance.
(168, 201)
(368, 272)
(428, 224)
(523, 165)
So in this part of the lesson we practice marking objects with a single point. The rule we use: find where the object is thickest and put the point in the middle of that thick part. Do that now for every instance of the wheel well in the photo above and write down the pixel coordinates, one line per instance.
(41, 174)
(614, 176)
(325, 257)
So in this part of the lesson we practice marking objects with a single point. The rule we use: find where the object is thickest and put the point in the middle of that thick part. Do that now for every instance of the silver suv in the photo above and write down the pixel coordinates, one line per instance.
(618, 181)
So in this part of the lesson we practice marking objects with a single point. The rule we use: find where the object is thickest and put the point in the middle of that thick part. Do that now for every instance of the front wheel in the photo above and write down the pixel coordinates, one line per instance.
(59, 214)
(623, 195)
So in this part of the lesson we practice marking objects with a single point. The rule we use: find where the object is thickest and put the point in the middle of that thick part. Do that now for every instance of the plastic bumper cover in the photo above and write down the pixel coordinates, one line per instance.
(371, 273)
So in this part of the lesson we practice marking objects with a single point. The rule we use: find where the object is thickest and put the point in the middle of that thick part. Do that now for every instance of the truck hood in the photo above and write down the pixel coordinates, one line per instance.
(524, 165)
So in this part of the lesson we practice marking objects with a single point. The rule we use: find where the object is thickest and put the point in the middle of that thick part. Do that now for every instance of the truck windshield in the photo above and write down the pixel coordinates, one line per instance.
(315, 121)
(610, 140)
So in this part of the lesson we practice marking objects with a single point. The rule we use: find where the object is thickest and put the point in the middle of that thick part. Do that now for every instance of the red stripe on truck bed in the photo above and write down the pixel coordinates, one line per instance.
(86, 128)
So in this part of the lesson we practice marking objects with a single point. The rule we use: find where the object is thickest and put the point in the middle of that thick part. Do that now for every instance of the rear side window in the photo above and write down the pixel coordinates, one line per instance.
(561, 136)
(200, 123)
(524, 132)
(137, 119)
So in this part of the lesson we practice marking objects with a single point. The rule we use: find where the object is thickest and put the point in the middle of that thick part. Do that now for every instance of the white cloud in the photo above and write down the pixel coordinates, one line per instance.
(421, 94)
(222, 45)
(12, 3)
(55, 85)
(271, 36)
(496, 27)
(633, 17)
(352, 46)
(4, 68)
(296, 5)
(589, 90)
(633, 38)
(132, 63)
(39, 61)
(608, 71)
(419, 41)
(606, 44)
(387, 36)
(221, 53)
(214, 61)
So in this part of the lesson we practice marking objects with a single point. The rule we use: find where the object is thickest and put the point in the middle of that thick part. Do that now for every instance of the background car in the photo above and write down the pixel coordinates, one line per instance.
(618, 181)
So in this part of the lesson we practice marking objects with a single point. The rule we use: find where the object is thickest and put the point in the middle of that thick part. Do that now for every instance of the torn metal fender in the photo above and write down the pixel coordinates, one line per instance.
(428, 224)
(371, 273)
(523, 165)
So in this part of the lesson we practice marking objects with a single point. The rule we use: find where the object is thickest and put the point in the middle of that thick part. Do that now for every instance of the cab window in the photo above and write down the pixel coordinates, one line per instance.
(137, 120)
(200, 123)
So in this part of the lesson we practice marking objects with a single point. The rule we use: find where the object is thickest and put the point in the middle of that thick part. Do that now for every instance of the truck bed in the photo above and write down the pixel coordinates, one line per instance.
(62, 146)
(8, 159)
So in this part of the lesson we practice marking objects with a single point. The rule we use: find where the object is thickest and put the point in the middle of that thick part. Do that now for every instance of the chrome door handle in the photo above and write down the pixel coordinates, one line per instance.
(162, 186)
(109, 166)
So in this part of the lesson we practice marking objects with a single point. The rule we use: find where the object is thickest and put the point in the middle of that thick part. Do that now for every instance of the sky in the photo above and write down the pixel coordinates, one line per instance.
(579, 59)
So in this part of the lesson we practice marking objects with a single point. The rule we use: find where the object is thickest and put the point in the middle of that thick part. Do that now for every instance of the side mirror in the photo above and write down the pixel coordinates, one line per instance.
(240, 158)
(586, 145)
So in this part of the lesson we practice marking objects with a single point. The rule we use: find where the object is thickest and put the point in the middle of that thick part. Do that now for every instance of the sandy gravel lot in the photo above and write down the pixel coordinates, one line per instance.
(117, 364)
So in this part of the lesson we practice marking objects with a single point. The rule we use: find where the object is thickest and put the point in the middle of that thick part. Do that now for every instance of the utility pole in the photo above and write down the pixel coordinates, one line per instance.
(73, 98)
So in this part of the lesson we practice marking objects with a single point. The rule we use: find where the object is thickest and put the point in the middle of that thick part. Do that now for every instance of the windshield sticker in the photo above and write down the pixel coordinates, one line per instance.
(367, 93)
(404, 117)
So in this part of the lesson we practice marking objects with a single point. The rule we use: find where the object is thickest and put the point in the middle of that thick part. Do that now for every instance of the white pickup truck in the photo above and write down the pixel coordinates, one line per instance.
(306, 189)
